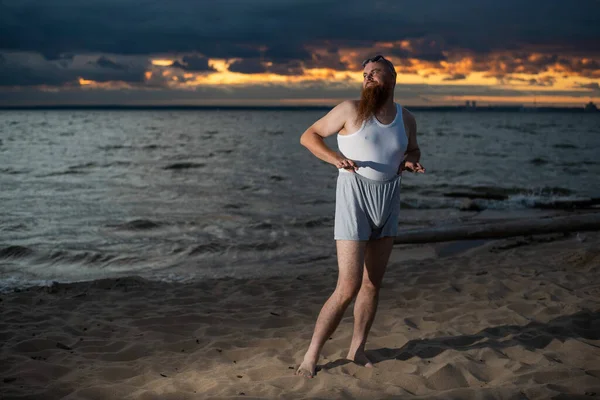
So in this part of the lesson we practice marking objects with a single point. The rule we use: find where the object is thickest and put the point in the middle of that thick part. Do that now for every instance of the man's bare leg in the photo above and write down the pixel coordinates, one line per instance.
(350, 255)
(377, 254)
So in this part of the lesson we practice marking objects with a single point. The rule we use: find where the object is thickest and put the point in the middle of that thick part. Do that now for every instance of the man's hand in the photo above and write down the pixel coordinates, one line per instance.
(411, 167)
(346, 164)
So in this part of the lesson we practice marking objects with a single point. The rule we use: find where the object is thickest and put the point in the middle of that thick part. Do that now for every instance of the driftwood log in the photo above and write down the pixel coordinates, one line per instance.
(497, 230)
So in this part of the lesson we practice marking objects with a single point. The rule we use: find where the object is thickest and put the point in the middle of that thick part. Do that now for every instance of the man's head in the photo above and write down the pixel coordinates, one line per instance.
(379, 80)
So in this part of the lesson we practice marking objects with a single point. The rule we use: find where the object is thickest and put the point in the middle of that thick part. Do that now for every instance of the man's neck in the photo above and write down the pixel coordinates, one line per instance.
(388, 109)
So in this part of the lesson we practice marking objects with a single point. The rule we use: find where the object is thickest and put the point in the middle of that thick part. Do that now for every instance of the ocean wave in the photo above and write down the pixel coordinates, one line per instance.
(484, 197)
(115, 147)
(117, 164)
(137, 225)
(15, 252)
(64, 172)
(313, 223)
(155, 147)
(11, 171)
(565, 146)
(538, 161)
(216, 246)
(85, 257)
(233, 206)
(184, 165)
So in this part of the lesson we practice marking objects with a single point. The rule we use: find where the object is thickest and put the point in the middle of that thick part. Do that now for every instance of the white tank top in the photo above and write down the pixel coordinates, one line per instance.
(376, 148)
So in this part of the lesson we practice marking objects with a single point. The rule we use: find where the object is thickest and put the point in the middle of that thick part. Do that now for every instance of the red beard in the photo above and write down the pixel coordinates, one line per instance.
(372, 99)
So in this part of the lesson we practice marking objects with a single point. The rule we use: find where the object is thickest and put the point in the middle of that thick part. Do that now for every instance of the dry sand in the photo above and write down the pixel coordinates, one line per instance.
(509, 319)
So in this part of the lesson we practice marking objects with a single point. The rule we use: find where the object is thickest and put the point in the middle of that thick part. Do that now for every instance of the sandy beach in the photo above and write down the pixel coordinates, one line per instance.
(507, 319)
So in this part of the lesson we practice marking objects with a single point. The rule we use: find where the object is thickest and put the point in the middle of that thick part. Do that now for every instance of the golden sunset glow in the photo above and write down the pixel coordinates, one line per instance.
(452, 79)
(109, 85)
(466, 71)
(84, 82)
(228, 54)
(412, 71)
(162, 62)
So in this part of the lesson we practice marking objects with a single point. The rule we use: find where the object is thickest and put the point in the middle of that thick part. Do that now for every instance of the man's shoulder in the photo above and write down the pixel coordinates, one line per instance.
(349, 105)
(347, 109)
(408, 117)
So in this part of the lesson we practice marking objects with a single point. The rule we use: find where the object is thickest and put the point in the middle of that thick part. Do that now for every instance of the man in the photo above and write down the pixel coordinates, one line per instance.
(377, 140)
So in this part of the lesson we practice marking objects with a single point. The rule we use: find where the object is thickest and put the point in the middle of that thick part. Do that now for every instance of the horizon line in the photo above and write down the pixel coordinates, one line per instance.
(279, 107)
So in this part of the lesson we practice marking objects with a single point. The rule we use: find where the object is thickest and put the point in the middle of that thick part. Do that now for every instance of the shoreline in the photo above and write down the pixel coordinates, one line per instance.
(499, 319)
(412, 221)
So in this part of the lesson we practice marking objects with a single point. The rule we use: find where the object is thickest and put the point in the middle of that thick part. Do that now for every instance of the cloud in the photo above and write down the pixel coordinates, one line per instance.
(112, 41)
(290, 68)
(248, 66)
(542, 81)
(587, 67)
(105, 62)
(455, 77)
(594, 86)
(25, 69)
(282, 30)
(329, 58)
(258, 66)
(284, 52)
(194, 63)
(427, 48)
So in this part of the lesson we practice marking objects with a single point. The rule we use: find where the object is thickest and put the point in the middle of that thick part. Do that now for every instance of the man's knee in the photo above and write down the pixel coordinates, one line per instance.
(369, 287)
(346, 292)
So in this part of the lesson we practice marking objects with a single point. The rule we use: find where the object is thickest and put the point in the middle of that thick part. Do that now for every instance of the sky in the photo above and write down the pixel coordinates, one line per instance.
(297, 52)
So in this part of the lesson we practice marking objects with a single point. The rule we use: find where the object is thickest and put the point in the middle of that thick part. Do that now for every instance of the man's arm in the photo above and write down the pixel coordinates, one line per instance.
(412, 155)
(329, 125)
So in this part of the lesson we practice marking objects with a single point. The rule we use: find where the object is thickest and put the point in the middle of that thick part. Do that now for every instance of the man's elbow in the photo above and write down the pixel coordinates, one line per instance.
(303, 139)
(306, 136)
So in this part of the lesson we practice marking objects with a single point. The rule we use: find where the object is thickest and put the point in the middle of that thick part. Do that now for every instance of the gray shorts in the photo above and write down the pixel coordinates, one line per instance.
(364, 208)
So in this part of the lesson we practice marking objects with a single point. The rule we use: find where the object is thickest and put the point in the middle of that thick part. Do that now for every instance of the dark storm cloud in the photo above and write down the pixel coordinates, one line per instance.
(330, 59)
(104, 62)
(290, 68)
(194, 63)
(427, 48)
(282, 52)
(27, 70)
(235, 28)
(23, 75)
(455, 77)
(588, 67)
(543, 81)
(134, 74)
(248, 66)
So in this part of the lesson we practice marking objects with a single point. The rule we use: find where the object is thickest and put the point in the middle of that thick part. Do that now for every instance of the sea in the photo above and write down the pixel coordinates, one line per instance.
(185, 195)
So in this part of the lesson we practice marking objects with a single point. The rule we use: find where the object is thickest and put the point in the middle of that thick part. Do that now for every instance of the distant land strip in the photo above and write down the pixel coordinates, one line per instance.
(282, 108)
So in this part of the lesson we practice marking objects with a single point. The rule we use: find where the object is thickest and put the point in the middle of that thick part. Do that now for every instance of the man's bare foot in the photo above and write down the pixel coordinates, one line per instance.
(360, 358)
(306, 369)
